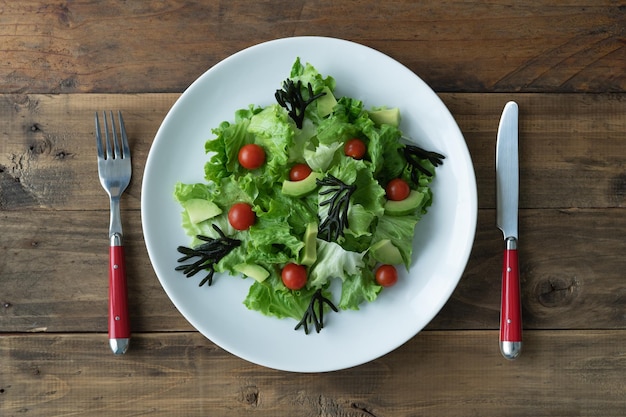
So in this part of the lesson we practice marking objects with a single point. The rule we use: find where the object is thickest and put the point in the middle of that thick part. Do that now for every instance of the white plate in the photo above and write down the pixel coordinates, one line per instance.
(443, 238)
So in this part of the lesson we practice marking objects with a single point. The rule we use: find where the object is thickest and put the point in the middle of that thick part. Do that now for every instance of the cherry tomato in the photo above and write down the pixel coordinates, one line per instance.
(241, 216)
(299, 172)
(251, 156)
(386, 275)
(294, 276)
(355, 148)
(398, 189)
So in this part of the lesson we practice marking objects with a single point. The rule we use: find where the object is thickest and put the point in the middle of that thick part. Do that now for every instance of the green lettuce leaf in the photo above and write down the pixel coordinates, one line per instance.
(384, 151)
(184, 192)
(400, 230)
(308, 74)
(271, 236)
(339, 126)
(323, 156)
(333, 262)
(272, 298)
(357, 289)
(224, 149)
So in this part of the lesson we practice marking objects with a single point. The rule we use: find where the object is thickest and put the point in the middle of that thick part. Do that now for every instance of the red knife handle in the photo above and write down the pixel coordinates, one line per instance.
(511, 307)
(119, 323)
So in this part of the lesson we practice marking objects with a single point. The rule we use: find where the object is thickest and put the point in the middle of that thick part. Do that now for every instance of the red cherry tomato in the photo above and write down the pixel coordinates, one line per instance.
(355, 148)
(251, 156)
(398, 189)
(294, 276)
(241, 216)
(299, 172)
(386, 275)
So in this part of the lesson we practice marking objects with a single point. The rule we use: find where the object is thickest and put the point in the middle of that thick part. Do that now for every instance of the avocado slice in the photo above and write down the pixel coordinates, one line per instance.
(309, 251)
(200, 210)
(385, 116)
(326, 103)
(406, 206)
(386, 252)
(254, 271)
(302, 187)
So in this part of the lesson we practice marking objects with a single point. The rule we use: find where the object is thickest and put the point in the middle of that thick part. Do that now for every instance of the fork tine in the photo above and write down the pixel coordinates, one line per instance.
(99, 139)
(107, 140)
(114, 147)
(114, 138)
(125, 147)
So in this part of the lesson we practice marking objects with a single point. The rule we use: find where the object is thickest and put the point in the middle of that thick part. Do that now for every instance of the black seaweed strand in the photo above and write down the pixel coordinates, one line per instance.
(415, 155)
(333, 226)
(209, 254)
(290, 97)
(315, 312)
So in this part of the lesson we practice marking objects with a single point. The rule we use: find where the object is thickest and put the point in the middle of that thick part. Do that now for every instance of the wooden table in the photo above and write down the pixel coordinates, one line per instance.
(563, 62)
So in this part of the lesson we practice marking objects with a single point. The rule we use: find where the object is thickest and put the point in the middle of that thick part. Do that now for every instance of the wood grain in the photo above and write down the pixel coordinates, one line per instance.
(563, 62)
(53, 273)
(47, 152)
(572, 151)
(436, 373)
(572, 147)
(162, 46)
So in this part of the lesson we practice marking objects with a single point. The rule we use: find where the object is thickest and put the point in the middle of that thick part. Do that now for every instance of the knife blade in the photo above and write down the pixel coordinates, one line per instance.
(507, 184)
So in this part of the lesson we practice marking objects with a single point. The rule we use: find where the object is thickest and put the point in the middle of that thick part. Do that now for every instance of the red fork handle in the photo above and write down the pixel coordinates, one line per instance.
(119, 323)
(511, 307)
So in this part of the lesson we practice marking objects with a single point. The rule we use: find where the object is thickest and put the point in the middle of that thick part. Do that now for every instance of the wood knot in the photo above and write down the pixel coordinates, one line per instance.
(65, 16)
(40, 147)
(363, 409)
(68, 83)
(250, 395)
(557, 291)
(618, 188)
(61, 154)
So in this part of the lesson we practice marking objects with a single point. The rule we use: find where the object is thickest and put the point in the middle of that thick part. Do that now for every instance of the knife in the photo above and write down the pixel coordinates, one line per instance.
(507, 185)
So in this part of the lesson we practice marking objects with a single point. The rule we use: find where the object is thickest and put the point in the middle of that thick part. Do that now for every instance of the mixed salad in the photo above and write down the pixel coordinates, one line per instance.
(311, 189)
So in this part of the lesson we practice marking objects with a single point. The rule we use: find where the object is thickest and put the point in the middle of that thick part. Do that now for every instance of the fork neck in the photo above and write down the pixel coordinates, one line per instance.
(115, 227)
(116, 240)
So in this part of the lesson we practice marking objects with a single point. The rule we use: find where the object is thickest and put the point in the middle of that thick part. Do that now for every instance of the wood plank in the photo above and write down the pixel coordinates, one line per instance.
(571, 272)
(47, 150)
(53, 273)
(162, 46)
(572, 147)
(436, 373)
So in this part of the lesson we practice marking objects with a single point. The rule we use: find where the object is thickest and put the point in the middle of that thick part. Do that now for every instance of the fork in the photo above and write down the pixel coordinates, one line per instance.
(114, 170)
